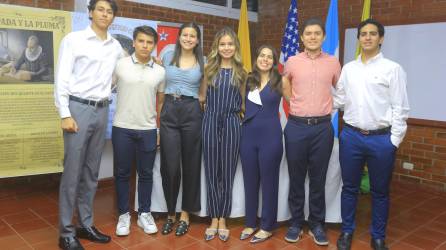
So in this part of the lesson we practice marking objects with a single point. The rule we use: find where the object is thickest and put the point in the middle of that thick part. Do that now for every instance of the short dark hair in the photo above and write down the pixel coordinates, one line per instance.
(113, 4)
(313, 21)
(146, 30)
(371, 21)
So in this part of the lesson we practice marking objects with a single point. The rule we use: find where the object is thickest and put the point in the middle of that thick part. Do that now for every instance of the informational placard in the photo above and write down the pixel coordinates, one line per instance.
(30, 135)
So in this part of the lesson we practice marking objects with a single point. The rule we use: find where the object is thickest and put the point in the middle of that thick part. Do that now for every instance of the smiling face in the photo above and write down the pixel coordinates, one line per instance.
(226, 47)
(312, 38)
(102, 15)
(369, 38)
(188, 38)
(265, 60)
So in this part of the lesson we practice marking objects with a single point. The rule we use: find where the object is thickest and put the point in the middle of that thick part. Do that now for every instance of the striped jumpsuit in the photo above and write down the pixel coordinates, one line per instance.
(221, 142)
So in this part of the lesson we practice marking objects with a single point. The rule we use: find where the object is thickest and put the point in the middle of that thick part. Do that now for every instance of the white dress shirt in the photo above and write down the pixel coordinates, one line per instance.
(373, 96)
(85, 67)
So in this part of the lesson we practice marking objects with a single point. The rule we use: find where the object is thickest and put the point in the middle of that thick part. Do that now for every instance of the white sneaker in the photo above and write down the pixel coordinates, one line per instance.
(147, 223)
(123, 226)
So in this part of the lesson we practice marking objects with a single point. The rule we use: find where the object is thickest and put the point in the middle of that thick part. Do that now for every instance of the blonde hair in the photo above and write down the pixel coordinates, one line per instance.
(214, 60)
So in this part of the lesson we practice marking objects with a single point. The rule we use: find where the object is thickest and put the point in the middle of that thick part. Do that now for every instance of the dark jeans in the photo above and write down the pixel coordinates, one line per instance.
(308, 150)
(129, 146)
(355, 150)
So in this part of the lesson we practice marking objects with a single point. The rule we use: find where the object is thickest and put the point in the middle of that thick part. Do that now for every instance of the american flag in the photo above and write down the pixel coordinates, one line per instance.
(290, 47)
(290, 40)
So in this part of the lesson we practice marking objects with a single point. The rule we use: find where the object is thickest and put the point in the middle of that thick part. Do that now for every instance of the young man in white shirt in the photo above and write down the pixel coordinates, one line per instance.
(372, 92)
(87, 60)
(140, 83)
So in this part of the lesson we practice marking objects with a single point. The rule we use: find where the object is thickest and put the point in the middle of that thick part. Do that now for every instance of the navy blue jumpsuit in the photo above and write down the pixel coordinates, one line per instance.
(261, 153)
(221, 142)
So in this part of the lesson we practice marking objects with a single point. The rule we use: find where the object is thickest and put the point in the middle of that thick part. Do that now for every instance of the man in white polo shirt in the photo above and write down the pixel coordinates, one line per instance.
(140, 82)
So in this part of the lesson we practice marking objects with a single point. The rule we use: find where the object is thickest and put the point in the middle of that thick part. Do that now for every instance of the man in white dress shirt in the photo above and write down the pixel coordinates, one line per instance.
(87, 60)
(372, 92)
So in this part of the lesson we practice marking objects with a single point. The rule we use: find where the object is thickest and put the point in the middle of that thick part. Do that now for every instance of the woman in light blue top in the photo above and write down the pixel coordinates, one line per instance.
(180, 127)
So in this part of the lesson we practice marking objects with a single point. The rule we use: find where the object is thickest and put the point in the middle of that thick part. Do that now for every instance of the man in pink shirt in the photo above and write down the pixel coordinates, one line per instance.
(308, 81)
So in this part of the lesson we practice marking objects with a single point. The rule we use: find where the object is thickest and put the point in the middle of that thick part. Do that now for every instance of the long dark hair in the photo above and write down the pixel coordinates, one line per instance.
(198, 51)
(275, 78)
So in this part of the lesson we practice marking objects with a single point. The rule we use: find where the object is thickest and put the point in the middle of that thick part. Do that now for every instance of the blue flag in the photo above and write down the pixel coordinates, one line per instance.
(331, 45)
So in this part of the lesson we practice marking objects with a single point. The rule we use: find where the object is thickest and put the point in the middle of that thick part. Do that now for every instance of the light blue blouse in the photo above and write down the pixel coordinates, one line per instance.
(181, 81)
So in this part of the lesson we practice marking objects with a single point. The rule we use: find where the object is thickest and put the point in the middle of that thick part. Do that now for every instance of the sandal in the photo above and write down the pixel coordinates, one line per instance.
(223, 234)
(182, 228)
(261, 236)
(167, 227)
(210, 233)
(247, 232)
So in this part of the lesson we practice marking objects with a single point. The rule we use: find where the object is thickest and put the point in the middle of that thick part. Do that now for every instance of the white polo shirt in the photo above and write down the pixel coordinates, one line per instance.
(137, 86)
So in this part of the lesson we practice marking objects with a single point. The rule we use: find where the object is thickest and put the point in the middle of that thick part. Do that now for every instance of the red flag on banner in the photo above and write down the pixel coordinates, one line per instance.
(167, 36)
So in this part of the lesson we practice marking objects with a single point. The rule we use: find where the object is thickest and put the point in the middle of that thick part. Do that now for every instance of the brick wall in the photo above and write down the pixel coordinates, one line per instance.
(211, 24)
(425, 143)
(67, 5)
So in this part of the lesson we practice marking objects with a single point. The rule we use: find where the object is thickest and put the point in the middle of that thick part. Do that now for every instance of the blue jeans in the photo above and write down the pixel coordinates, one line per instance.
(129, 146)
(355, 150)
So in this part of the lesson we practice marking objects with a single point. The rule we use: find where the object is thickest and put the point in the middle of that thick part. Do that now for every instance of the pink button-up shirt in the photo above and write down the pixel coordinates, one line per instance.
(312, 80)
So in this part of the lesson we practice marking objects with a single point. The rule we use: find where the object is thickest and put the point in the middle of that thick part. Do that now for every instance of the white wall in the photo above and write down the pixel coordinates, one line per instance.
(421, 50)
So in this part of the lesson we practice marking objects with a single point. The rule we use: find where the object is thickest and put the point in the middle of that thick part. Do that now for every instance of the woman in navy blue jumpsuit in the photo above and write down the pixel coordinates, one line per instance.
(221, 93)
(261, 144)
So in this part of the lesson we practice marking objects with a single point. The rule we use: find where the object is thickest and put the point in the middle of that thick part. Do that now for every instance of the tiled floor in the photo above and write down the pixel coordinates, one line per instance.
(28, 220)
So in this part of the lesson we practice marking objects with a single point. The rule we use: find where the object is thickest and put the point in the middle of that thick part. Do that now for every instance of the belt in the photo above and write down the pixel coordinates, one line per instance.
(176, 97)
(380, 131)
(96, 104)
(311, 120)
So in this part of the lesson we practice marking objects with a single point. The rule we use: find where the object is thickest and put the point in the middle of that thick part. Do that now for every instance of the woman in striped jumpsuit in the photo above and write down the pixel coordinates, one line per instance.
(221, 97)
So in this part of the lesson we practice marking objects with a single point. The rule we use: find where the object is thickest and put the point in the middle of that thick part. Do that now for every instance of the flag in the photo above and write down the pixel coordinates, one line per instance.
(331, 45)
(243, 36)
(290, 40)
(365, 15)
(290, 47)
(167, 38)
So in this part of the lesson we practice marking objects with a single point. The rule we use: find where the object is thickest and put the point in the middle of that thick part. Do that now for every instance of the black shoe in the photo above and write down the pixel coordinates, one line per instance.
(378, 244)
(182, 228)
(92, 234)
(70, 243)
(167, 227)
(345, 241)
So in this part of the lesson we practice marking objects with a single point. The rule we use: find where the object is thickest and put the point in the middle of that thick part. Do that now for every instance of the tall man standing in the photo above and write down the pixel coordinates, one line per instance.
(309, 78)
(372, 92)
(87, 59)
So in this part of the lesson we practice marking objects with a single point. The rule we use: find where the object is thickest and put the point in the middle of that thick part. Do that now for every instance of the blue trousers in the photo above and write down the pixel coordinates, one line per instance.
(308, 150)
(129, 146)
(261, 157)
(377, 151)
